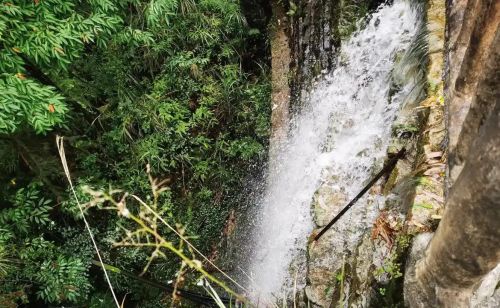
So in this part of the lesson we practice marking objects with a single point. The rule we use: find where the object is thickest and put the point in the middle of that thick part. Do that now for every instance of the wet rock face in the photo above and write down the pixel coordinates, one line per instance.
(316, 30)
(358, 254)
(327, 201)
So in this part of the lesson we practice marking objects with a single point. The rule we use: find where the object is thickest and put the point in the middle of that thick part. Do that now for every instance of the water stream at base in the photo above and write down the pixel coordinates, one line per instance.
(341, 133)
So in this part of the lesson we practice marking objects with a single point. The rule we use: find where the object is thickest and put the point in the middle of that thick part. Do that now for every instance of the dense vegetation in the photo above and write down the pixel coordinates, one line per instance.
(179, 85)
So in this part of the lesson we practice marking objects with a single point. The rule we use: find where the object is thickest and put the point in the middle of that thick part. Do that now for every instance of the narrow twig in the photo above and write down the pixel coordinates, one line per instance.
(187, 242)
(62, 155)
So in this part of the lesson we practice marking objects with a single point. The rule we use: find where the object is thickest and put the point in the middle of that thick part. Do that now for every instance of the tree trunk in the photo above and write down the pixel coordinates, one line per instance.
(280, 61)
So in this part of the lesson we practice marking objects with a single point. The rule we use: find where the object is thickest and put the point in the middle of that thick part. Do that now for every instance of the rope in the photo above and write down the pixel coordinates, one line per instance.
(62, 155)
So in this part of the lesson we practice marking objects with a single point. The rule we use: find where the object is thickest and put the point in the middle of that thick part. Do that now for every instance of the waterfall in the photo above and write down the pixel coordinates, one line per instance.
(339, 137)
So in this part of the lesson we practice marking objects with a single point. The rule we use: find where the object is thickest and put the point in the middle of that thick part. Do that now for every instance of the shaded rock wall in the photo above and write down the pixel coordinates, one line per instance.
(304, 37)
(317, 28)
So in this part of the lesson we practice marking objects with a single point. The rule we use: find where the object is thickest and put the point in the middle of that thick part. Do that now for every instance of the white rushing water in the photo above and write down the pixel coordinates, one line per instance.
(343, 129)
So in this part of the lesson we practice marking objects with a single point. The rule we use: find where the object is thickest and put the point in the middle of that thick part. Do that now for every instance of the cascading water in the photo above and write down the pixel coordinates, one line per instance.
(340, 136)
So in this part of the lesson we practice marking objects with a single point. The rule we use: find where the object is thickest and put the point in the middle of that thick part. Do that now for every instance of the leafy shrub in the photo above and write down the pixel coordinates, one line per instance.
(62, 279)
(173, 84)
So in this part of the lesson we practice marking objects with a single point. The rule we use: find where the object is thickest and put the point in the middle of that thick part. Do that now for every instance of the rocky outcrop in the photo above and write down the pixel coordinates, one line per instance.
(426, 207)
(466, 245)
(472, 74)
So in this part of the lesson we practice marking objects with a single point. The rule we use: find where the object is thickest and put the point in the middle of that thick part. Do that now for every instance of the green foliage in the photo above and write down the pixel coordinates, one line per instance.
(100, 300)
(11, 299)
(174, 84)
(63, 279)
(398, 129)
(199, 120)
(29, 210)
(293, 9)
(38, 36)
(70, 206)
(350, 13)
(57, 277)
(159, 11)
(6, 265)
(390, 268)
(390, 275)
(26, 102)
